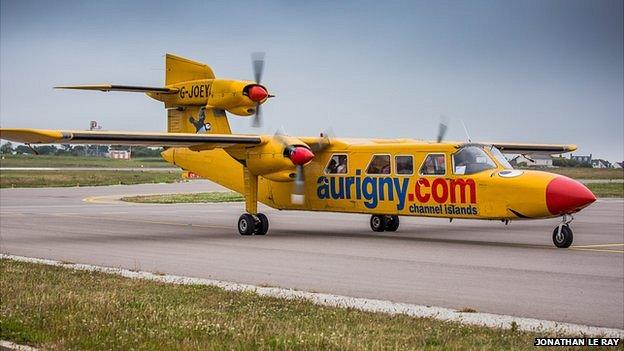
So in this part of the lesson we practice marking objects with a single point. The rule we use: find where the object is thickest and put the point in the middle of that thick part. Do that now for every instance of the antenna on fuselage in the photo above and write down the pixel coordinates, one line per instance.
(466, 130)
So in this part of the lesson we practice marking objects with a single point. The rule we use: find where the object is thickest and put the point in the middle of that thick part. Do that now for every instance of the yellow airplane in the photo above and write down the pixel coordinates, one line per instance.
(386, 178)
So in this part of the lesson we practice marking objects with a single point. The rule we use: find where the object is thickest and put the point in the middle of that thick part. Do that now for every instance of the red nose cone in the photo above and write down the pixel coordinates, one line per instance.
(257, 93)
(565, 195)
(301, 156)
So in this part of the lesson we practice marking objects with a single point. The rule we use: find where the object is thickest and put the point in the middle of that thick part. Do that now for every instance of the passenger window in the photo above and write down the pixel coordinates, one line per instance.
(380, 164)
(404, 164)
(337, 165)
(435, 164)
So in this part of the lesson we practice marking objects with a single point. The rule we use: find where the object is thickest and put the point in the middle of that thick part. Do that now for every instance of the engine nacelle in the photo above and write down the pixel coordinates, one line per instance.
(269, 160)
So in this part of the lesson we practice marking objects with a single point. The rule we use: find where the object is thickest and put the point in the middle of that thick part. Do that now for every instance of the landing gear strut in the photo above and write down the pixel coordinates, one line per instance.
(562, 235)
(252, 222)
(380, 223)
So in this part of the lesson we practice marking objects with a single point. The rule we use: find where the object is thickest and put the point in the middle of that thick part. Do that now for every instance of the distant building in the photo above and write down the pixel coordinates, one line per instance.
(581, 158)
(119, 154)
(536, 160)
(618, 165)
(599, 163)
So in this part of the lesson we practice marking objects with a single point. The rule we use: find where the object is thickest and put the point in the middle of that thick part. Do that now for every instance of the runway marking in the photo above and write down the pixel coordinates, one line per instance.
(599, 245)
(599, 248)
(341, 301)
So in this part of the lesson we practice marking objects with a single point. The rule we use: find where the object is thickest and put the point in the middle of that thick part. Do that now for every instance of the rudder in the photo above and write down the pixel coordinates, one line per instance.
(179, 69)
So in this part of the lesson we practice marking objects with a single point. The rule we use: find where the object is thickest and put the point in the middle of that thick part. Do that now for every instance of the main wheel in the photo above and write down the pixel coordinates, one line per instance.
(378, 223)
(262, 227)
(563, 239)
(392, 224)
(246, 224)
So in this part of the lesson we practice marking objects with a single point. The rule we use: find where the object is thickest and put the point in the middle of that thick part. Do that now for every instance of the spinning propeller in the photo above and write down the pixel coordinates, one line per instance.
(299, 155)
(257, 93)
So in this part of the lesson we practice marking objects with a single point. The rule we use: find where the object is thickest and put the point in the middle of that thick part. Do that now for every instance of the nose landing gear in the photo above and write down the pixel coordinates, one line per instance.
(562, 235)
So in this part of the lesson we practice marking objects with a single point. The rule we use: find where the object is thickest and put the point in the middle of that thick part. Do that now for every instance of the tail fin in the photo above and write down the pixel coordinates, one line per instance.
(197, 119)
(180, 69)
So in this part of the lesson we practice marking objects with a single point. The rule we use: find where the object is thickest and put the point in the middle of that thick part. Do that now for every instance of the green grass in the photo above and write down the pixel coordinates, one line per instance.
(61, 309)
(75, 161)
(37, 179)
(607, 189)
(588, 173)
(186, 198)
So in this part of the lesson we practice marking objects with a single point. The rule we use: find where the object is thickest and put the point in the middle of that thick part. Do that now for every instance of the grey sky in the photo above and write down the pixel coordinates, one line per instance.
(524, 71)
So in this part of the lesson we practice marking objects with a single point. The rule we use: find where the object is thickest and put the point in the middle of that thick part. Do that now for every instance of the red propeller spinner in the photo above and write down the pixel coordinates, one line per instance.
(257, 93)
(300, 155)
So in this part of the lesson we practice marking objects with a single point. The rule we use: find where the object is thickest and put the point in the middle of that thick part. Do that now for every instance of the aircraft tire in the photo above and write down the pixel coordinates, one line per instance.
(565, 239)
(262, 227)
(378, 223)
(393, 224)
(246, 224)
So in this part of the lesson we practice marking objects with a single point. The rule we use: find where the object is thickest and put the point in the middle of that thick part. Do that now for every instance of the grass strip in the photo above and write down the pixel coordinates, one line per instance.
(59, 309)
(607, 189)
(587, 173)
(37, 179)
(79, 161)
(216, 196)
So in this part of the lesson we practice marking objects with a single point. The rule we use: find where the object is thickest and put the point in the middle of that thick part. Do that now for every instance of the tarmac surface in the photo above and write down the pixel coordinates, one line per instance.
(486, 266)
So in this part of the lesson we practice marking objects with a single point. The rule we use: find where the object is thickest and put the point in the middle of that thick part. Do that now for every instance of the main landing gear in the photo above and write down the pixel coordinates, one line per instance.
(249, 224)
(380, 223)
(562, 235)
(252, 222)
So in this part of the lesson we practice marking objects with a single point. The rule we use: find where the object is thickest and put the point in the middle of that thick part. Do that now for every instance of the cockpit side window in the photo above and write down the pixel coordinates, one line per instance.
(500, 157)
(471, 160)
(435, 164)
(337, 164)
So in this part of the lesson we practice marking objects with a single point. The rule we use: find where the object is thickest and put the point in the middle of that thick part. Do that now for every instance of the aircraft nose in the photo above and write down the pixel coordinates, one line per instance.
(565, 195)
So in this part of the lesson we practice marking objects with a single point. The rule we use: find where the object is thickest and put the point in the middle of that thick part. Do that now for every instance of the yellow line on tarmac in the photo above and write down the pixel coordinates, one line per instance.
(598, 250)
(599, 245)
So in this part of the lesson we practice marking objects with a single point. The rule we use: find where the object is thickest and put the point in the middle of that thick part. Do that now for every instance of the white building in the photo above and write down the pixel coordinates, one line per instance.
(536, 160)
(119, 154)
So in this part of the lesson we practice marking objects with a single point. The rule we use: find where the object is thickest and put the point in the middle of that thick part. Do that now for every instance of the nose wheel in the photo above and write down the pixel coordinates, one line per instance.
(380, 223)
(249, 224)
(562, 235)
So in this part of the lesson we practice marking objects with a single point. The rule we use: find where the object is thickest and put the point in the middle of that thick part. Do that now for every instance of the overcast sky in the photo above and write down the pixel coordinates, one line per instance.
(517, 71)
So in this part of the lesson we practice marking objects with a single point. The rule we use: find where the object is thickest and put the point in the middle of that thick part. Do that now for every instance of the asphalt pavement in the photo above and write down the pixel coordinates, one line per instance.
(483, 265)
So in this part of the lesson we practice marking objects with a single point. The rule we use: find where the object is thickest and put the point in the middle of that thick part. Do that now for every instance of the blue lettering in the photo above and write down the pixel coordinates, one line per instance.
(401, 192)
(323, 190)
(371, 195)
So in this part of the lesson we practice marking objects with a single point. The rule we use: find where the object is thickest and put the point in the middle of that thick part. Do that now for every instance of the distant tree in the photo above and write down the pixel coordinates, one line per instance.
(141, 151)
(23, 150)
(6, 148)
(78, 150)
(46, 149)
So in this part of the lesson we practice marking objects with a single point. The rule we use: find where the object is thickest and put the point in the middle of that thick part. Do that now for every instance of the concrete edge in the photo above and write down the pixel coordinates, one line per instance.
(363, 304)
(7, 345)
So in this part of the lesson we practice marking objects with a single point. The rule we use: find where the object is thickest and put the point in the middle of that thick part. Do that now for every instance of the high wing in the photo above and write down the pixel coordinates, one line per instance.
(548, 149)
(114, 87)
(194, 141)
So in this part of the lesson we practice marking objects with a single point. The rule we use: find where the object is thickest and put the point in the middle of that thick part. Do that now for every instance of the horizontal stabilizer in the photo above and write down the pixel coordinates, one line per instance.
(548, 149)
(130, 88)
(196, 141)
